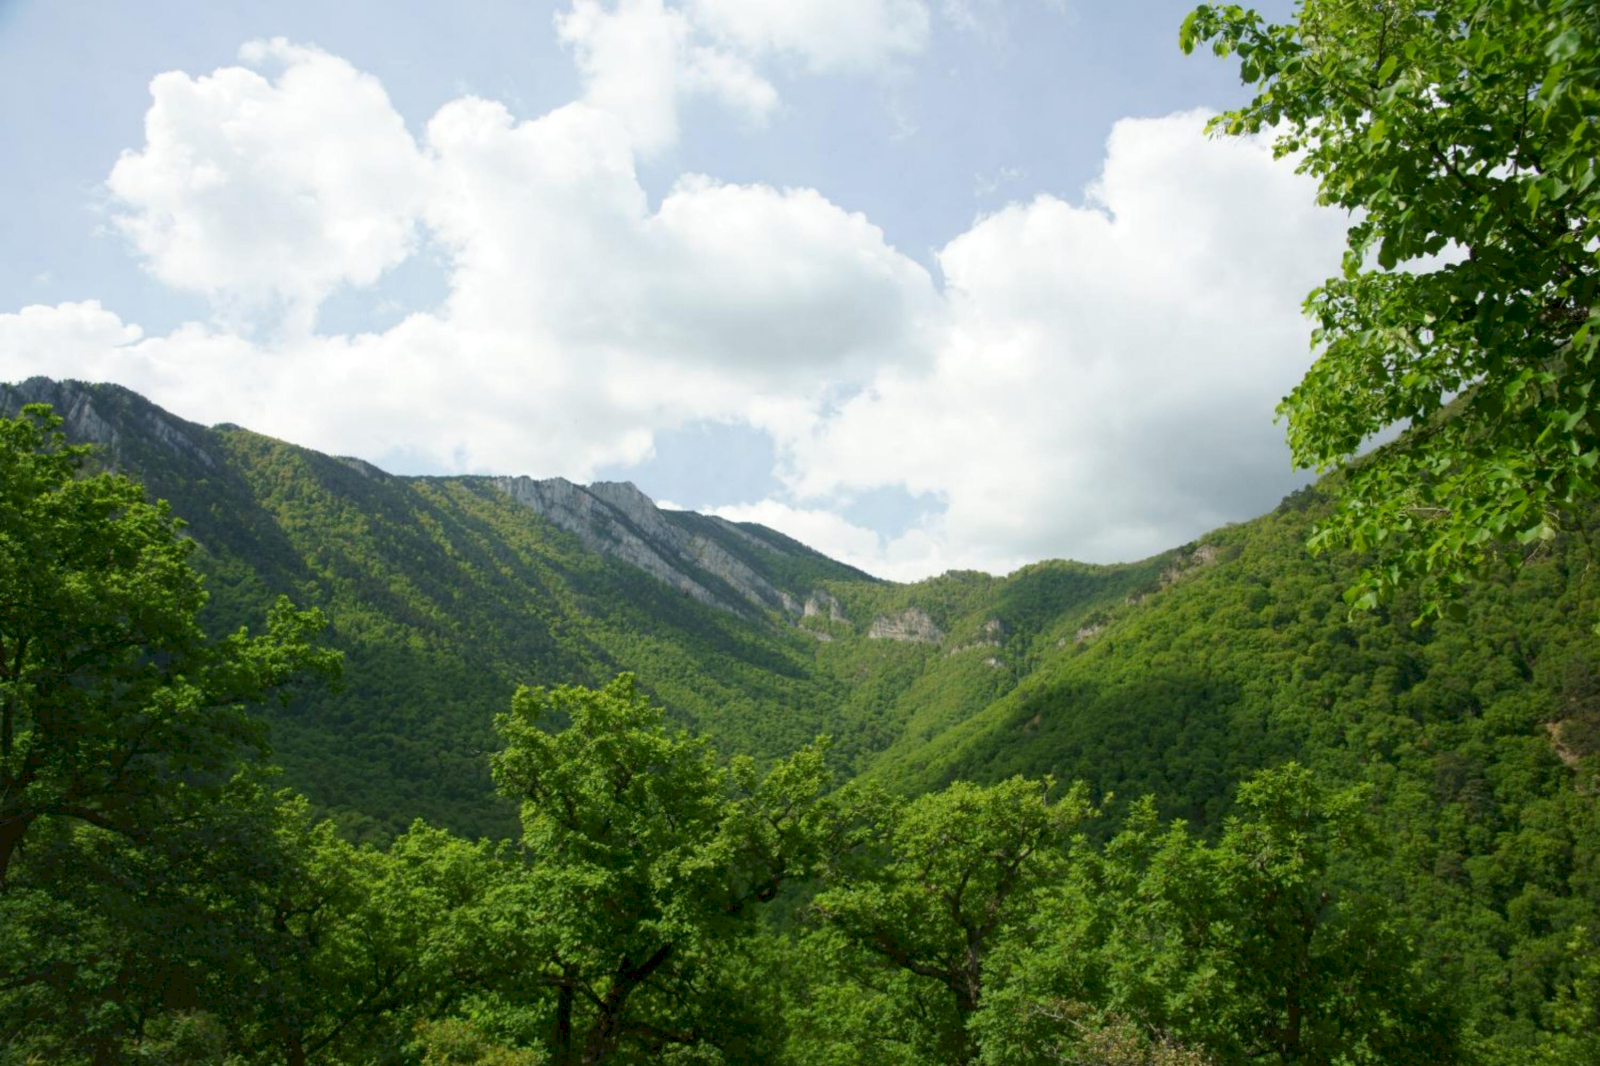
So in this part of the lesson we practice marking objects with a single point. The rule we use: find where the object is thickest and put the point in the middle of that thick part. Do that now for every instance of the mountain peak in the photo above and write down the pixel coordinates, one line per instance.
(108, 415)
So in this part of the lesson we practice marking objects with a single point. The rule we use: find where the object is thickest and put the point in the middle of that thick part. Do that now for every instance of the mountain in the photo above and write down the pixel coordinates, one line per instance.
(445, 593)
(1476, 739)
(1175, 676)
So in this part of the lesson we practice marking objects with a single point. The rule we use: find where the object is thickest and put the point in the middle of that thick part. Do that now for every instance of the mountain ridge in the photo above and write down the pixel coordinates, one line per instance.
(1177, 675)
(610, 517)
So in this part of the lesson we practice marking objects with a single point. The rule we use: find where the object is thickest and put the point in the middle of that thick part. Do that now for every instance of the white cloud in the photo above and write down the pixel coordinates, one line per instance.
(1096, 380)
(71, 334)
(258, 192)
(826, 35)
(784, 281)
(578, 319)
(638, 61)
(909, 557)
(1107, 385)
(551, 235)
(733, 80)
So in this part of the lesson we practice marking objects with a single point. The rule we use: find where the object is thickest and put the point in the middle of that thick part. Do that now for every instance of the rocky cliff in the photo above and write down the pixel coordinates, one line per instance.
(743, 569)
(616, 519)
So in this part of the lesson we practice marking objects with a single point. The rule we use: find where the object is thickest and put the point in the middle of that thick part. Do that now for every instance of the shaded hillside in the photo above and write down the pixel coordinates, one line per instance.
(1478, 737)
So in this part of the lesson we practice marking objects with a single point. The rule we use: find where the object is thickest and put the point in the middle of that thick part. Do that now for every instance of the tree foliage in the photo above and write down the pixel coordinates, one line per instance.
(1463, 137)
(128, 809)
(647, 858)
(114, 708)
(940, 881)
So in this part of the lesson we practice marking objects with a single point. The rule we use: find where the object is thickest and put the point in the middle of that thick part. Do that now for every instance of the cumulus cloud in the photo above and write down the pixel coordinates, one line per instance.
(70, 332)
(578, 318)
(1107, 384)
(638, 61)
(551, 233)
(259, 192)
(1095, 379)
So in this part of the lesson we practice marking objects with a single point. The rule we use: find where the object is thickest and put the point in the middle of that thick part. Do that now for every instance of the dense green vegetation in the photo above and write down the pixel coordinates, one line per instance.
(1187, 812)
(444, 595)
(1296, 835)
(1463, 137)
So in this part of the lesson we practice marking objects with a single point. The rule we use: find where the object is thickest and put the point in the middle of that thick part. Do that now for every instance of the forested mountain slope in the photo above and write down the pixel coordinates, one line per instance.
(446, 593)
(1249, 656)
(1176, 676)
(1477, 738)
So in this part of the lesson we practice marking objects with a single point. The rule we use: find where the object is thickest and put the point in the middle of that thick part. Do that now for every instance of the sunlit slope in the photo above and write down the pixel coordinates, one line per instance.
(1175, 676)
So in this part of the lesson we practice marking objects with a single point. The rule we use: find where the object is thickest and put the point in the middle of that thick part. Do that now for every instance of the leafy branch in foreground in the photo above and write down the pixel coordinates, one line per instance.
(115, 711)
(1463, 136)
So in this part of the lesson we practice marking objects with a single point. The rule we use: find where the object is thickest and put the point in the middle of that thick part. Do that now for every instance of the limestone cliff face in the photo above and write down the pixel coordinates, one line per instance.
(85, 422)
(616, 519)
(1203, 555)
(821, 603)
(991, 635)
(911, 624)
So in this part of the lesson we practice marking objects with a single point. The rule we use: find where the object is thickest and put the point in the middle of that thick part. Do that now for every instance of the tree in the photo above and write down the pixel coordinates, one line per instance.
(1463, 136)
(130, 824)
(647, 862)
(1256, 948)
(115, 711)
(347, 947)
(947, 877)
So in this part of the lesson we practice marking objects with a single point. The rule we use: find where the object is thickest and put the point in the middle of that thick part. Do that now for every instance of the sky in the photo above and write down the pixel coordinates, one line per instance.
(928, 284)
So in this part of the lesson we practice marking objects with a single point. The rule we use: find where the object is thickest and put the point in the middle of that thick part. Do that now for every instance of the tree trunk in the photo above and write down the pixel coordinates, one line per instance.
(564, 1027)
(966, 995)
(606, 1032)
(12, 827)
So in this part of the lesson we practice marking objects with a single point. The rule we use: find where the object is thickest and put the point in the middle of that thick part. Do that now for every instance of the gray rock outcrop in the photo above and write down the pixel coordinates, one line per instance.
(912, 625)
(616, 519)
(77, 404)
(992, 634)
(1203, 555)
(821, 603)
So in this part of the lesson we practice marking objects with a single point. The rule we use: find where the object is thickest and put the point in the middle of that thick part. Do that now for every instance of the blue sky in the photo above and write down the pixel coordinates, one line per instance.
(926, 283)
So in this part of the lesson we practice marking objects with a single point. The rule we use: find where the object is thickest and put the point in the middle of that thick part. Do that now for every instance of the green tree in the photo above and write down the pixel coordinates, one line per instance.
(942, 881)
(1463, 136)
(647, 861)
(1577, 1007)
(129, 822)
(348, 947)
(115, 710)
(1257, 948)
